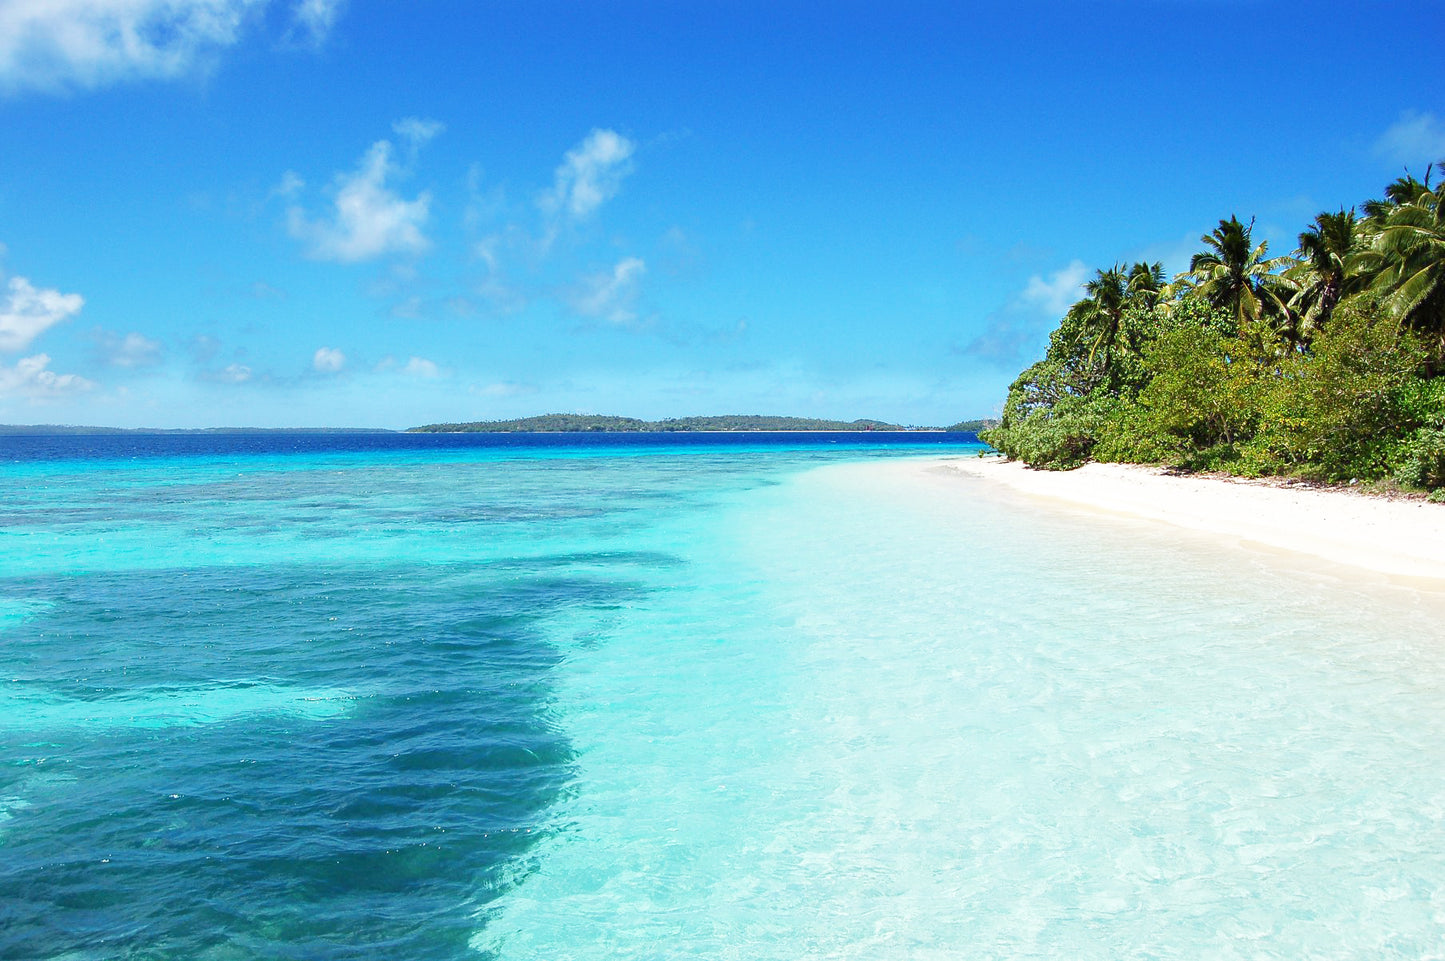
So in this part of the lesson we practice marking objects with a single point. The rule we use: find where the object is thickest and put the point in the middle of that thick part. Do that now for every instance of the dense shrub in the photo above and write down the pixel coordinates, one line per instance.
(1420, 460)
(1177, 387)
(1327, 364)
(1340, 412)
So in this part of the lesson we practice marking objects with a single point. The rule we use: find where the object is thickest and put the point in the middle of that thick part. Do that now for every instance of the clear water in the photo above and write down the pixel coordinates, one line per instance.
(768, 701)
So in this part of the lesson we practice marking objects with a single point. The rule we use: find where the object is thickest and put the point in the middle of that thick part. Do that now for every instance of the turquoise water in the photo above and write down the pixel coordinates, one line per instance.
(686, 703)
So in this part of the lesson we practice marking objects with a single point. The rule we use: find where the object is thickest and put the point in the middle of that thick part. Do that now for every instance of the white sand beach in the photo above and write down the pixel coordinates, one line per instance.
(1397, 537)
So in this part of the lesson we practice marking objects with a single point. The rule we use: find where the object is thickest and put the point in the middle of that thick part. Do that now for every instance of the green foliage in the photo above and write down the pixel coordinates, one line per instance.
(1420, 460)
(1232, 274)
(1403, 260)
(1058, 437)
(1340, 413)
(1324, 365)
(1045, 422)
(1204, 393)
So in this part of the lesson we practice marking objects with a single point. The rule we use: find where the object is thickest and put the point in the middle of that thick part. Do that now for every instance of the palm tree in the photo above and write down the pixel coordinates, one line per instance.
(1405, 260)
(1233, 275)
(1321, 275)
(1146, 283)
(1404, 190)
(1097, 316)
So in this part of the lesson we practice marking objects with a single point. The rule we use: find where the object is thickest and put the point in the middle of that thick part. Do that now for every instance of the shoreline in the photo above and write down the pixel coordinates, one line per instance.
(1399, 538)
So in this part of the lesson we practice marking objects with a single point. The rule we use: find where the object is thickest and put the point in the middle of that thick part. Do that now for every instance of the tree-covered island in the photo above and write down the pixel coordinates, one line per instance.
(1328, 364)
(581, 423)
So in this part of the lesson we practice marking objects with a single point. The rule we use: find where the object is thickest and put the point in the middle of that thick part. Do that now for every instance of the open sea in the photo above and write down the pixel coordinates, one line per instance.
(753, 697)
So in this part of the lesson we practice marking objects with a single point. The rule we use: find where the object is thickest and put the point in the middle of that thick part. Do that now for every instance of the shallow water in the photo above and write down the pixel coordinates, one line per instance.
(689, 703)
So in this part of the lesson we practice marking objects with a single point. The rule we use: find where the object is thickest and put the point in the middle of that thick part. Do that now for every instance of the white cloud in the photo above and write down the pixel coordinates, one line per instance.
(27, 312)
(328, 360)
(421, 367)
(66, 44)
(612, 295)
(369, 220)
(416, 132)
(291, 184)
(1416, 139)
(130, 351)
(503, 389)
(1014, 331)
(1058, 292)
(234, 374)
(500, 296)
(32, 377)
(482, 205)
(590, 175)
(317, 17)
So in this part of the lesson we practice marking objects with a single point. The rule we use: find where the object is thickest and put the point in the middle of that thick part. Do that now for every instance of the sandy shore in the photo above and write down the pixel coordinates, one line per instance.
(1395, 537)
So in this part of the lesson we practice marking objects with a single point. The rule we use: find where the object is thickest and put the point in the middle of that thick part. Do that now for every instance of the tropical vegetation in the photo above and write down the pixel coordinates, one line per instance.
(1327, 364)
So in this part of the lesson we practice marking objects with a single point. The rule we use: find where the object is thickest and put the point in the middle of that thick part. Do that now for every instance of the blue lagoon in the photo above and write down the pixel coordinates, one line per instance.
(685, 697)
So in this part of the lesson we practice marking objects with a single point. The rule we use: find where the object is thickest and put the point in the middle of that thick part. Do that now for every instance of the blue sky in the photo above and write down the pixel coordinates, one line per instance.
(366, 213)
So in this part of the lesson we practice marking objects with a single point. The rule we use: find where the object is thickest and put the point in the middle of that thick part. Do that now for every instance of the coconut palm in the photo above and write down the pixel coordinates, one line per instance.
(1233, 274)
(1405, 260)
(1146, 285)
(1321, 274)
(1404, 190)
(1096, 318)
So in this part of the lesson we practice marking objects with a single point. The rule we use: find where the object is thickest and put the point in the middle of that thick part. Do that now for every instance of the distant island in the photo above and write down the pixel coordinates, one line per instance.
(546, 423)
(52, 430)
(582, 423)
(973, 426)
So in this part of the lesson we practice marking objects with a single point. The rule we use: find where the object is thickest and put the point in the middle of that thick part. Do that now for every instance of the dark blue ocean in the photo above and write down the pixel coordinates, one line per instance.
(437, 697)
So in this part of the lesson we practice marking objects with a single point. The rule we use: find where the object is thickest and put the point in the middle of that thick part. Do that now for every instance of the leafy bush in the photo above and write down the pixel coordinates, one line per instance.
(1060, 436)
(1420, 461)
(1204, 392)
(1339, 412)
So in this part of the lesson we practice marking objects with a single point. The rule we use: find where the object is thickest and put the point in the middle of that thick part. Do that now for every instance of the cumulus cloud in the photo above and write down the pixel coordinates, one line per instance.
(590, 175)
(421, 367)
(496, 292)
(1416, 139)
(369, 219)
(415, 132)
(612, 295)
(26, 312)
(315, 18)
(1058, 292)
(414, 367)
(233, 374)
(503, 389)
(1014, 331)
(289, 186)
(130, 351)
(328, 360)
(31, 377)
(55, 45)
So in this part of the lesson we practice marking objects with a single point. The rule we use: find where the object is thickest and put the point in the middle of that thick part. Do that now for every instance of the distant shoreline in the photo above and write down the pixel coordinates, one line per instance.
(737, 430)
(725, 423)
(7, 430)
(66, 430)
(543, 424)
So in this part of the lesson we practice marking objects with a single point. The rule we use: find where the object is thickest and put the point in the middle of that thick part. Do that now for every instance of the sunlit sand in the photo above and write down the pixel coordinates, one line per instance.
(1391, 536)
